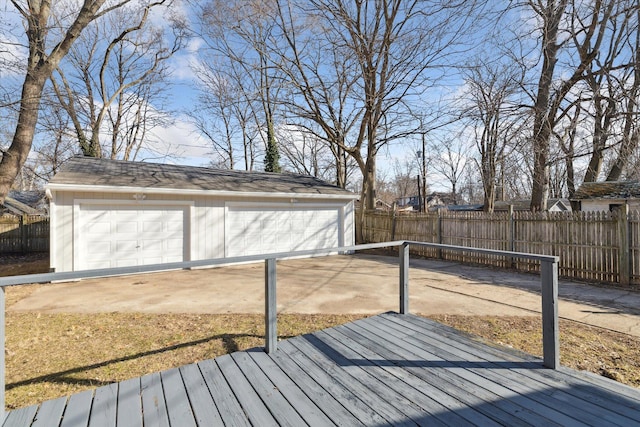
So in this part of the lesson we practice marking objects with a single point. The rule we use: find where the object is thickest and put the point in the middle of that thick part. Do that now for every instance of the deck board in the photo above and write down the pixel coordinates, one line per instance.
(103, 411)
(548, 402)
(178, 406)
(493, 378)
(230, 410)
(324, 394)
(389, 369)
(290, 390)
(204, 408)
(546, 391)
(78, 409)
(323, 378)
(50, 410)
(154, 407)
(129, 404)
(468, 388)
(244, 392)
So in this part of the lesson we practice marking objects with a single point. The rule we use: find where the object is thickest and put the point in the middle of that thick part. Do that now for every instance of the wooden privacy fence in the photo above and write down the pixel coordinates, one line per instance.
(24, 234)
(592, 246)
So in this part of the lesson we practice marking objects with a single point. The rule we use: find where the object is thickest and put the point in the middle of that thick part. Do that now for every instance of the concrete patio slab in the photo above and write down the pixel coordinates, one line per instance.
(363, 284)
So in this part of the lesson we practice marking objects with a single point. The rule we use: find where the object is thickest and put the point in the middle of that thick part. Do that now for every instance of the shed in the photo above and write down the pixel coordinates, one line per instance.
(608, 195)
(109, 213)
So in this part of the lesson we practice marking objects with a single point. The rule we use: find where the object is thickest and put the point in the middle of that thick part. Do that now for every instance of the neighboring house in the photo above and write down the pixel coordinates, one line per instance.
(107, 213)
(434, 200)
(553, 205)
(381, 205)
(25, 203)
(463, 208)
(408, 202)
(608, 196)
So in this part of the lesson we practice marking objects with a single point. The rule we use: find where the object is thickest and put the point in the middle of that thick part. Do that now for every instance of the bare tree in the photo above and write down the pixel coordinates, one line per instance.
(47, 45)
(629, 84)
(238, 34)
(107, 87)
(571, 29)
(450, 159)
(493, 117)
(384, 49)
(225, 115)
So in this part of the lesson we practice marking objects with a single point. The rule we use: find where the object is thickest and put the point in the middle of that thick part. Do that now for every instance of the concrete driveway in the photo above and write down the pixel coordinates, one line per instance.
(365, 284)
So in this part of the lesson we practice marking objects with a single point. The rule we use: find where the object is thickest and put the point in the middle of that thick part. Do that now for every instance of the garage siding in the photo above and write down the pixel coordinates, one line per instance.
(206, 222)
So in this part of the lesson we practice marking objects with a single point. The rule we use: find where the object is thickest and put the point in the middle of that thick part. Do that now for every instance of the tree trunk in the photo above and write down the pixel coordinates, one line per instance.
(543, 119)
(629, 145)
(369, 183)
(16, 155)
(341, 166)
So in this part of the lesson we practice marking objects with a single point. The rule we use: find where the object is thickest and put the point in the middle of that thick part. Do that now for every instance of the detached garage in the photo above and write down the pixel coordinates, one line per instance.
(109, 213)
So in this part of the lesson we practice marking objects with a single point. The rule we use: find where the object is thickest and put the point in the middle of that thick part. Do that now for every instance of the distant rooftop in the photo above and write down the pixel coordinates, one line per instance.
(608, 190)
(25, 203)
(87, 171)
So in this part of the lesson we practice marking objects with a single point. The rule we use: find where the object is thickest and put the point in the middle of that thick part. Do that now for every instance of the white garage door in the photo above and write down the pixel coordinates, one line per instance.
(126, 236)
(260, 230)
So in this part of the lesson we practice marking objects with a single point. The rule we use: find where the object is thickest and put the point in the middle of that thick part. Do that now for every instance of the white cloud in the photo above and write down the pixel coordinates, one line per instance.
(183, 62)
(181, 140)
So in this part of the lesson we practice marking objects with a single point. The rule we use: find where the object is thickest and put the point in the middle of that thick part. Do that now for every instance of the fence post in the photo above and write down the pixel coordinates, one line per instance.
(550, 331)
(404, 278)
(623, 252)
(270, 306)
(512, 237)
(23, 234)
(393, 225)
(439, 234)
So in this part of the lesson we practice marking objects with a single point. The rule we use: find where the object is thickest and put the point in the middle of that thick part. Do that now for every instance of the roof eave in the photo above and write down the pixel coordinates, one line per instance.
(197, 192)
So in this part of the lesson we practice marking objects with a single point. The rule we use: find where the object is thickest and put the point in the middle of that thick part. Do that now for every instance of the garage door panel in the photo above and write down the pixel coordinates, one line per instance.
(124, 263)
(152, 227)
(126, 215)
(125, 247)
(250, 231)
(151, 245)
(128, 227)
(174, 246)
(98, 248)
(94, 265)
(100, 227)
(129, 236)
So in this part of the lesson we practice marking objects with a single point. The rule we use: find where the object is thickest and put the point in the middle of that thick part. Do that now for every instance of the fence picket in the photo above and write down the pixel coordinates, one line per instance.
(24, 234)
(589, 244)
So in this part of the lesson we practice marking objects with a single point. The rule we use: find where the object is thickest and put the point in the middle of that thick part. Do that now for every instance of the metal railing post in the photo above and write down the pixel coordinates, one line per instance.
(404, 278)
(270, 306)
(550, 330)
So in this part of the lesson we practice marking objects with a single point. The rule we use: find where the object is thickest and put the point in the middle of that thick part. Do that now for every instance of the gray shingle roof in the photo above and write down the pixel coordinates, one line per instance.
(608, 190)
(115, 173)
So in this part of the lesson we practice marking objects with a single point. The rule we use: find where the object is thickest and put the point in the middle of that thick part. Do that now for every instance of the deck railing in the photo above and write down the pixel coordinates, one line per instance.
(549, 290)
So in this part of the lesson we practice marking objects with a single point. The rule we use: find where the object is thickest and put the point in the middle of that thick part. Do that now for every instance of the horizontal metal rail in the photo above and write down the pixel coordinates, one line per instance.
(549, 282)
(155, 268)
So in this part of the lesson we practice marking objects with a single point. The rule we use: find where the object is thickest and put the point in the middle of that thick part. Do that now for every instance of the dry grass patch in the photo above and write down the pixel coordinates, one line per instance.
(55, 355)
(601, 351)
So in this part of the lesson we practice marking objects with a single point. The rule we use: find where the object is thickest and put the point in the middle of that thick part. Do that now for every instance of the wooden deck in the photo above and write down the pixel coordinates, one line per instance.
(389, 369)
